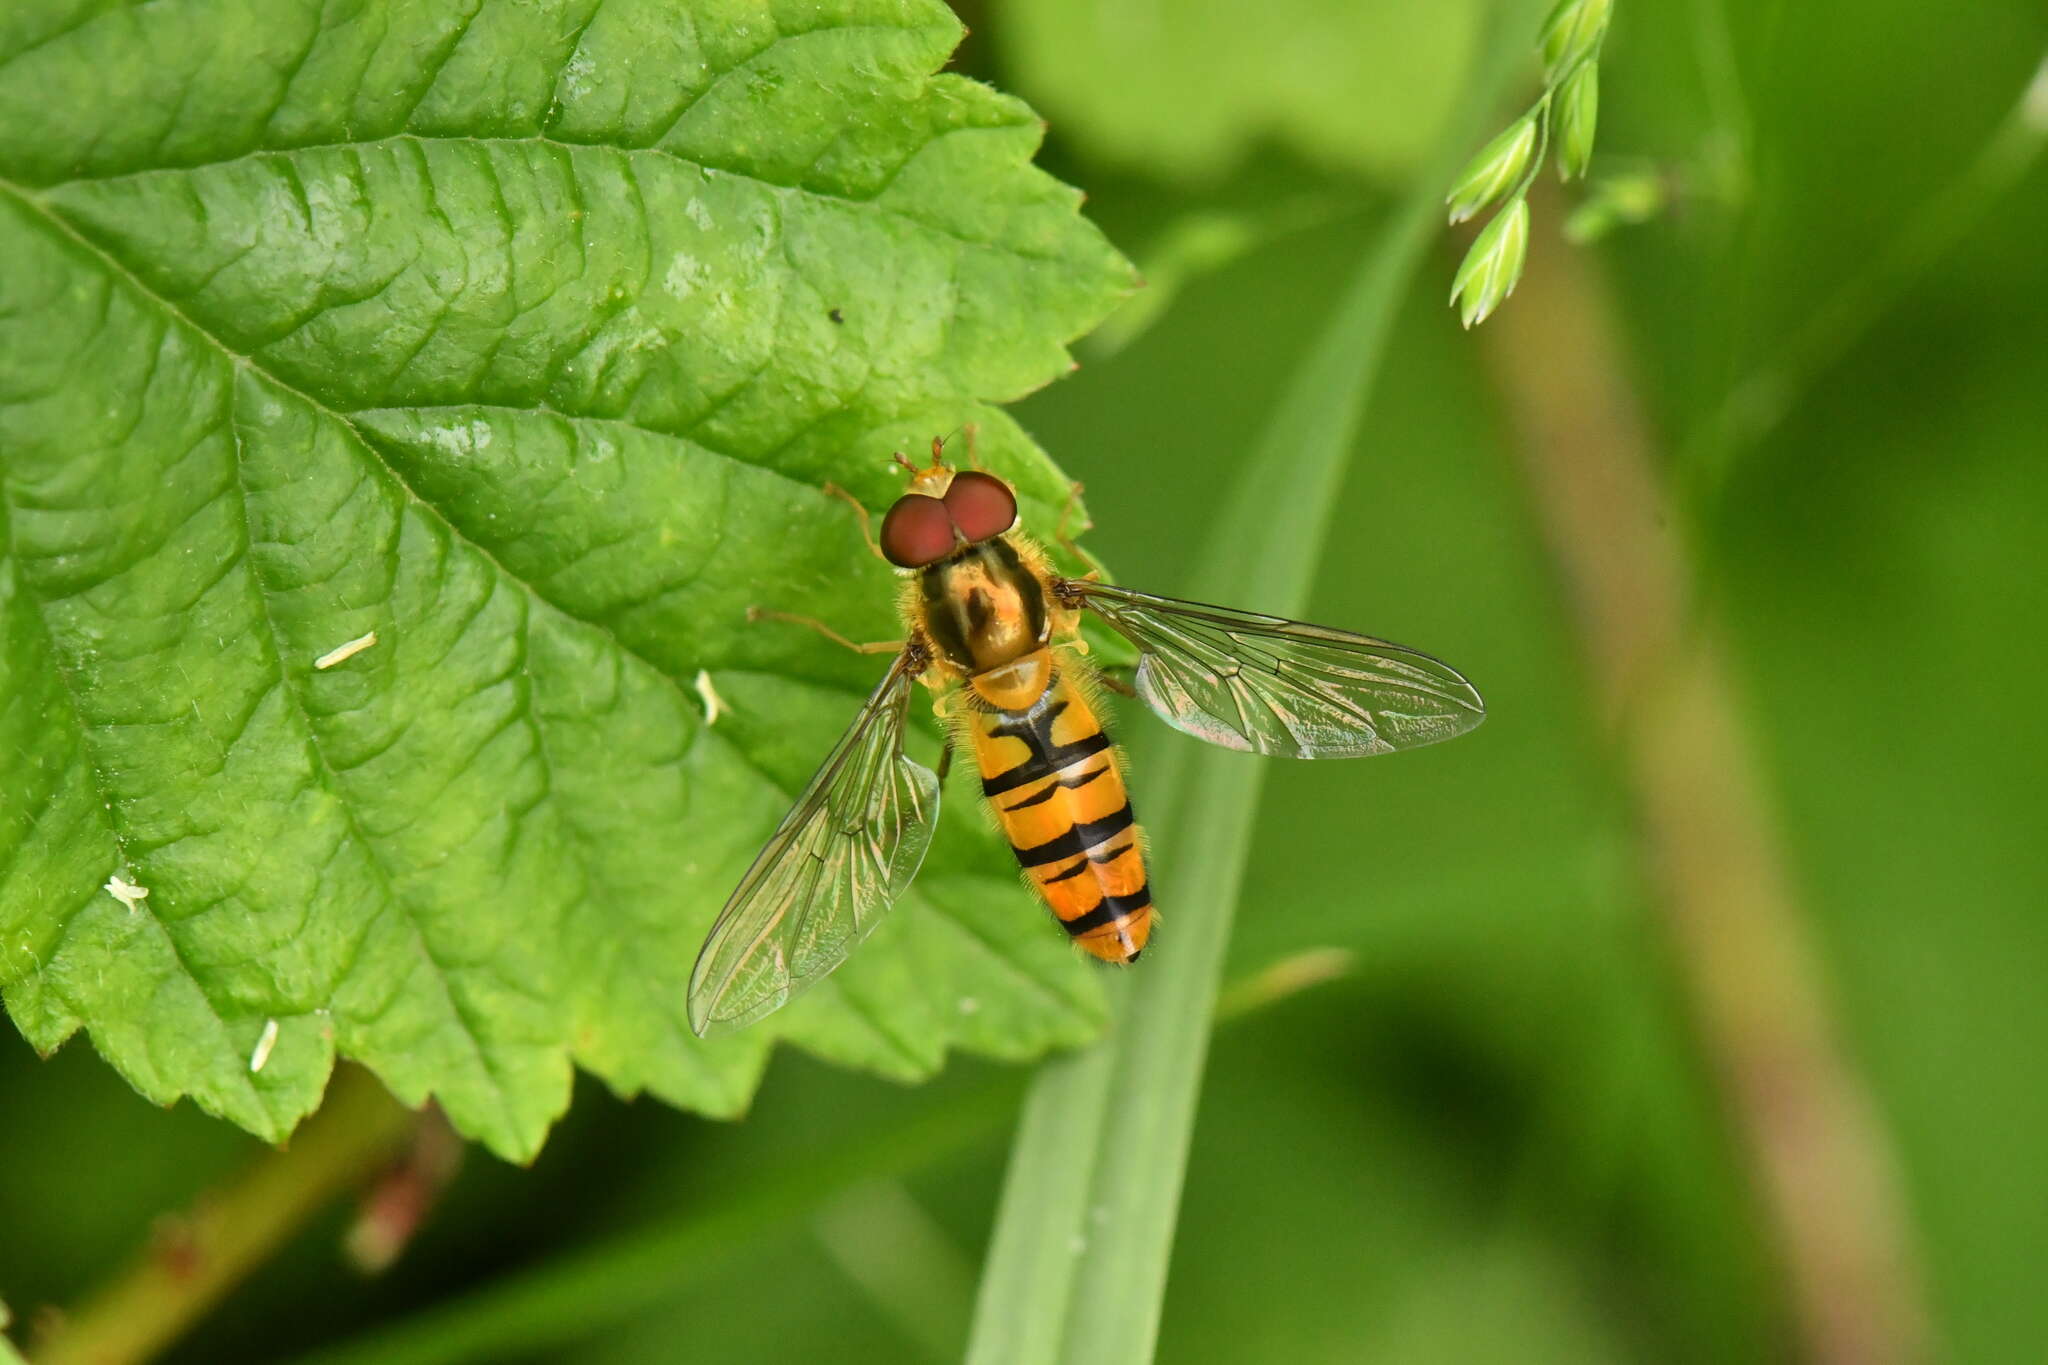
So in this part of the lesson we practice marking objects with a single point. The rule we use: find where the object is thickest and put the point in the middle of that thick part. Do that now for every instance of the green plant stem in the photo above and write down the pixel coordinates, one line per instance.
(1709, 841)
(194, 1261)
(1094, 1183)
(1541, 109)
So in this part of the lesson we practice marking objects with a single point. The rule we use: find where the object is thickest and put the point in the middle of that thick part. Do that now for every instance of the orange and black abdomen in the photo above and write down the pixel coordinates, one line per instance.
(1051, 774)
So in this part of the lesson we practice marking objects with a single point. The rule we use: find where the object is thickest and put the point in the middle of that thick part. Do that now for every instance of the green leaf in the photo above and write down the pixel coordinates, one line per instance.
(1191, 88)
(8, 1355)
(525, 336)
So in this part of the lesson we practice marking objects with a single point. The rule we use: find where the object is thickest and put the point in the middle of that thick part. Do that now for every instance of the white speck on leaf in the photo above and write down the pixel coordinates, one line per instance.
(969, 1005)
(714, 705)
(576, 75)
(346, 651)
(698, 214)
(267, 1040)
(126, 892)
(685, 273)
(462, 439)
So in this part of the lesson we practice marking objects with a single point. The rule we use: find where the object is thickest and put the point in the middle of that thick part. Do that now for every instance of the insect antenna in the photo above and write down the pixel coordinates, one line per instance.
(968, 430)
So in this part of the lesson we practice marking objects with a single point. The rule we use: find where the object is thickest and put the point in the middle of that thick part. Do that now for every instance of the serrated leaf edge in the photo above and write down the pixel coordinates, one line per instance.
(521, 1145)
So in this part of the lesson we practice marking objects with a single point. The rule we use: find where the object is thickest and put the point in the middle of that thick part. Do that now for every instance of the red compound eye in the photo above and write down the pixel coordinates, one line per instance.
(916, 532)
(982, 505)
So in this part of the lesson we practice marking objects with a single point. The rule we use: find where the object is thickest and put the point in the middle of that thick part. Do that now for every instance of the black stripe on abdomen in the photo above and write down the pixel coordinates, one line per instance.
(1083, 862)
(1112, 909)
(1079, 839)
(1070, 783)
(1047, 757)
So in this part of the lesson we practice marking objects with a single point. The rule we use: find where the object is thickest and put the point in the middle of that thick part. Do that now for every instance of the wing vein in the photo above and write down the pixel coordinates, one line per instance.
(1274, 686)
(847, 849)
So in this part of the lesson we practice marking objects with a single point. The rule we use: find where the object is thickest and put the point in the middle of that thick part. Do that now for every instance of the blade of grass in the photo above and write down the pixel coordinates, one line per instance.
(1090, 1199)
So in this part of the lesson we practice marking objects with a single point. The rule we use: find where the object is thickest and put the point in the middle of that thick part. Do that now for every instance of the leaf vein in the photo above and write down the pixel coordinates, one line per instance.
(325, 774)
(438, 64)
(872, 204)
(108, 817)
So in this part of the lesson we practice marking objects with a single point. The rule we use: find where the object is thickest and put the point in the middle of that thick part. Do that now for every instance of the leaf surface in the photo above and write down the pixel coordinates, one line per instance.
(525, 336)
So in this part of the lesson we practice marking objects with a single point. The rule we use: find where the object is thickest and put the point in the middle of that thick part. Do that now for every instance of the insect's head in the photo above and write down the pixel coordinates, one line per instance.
(943, 511)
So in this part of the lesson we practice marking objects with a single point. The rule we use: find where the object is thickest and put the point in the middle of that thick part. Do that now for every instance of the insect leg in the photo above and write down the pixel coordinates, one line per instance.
(871, 647)
(1109, 678)
(867, 530)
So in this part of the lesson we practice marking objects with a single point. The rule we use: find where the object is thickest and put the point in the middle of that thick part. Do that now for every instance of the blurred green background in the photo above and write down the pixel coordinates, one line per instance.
(1498, 1136)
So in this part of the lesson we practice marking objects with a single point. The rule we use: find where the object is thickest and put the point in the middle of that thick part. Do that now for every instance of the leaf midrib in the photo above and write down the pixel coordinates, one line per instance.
(119, 269)
(325, 769)
(346, 419)
(871, 204)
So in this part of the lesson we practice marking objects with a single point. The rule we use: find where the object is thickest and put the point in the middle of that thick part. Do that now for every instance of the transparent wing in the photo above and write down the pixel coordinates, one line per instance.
(845, 851)
(1274, 686)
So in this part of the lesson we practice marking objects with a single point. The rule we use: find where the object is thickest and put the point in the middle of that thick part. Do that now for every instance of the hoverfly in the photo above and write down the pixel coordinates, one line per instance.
(994, 632)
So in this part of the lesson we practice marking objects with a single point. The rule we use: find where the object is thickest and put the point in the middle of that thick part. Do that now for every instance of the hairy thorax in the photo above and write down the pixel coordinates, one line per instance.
(983, 609)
